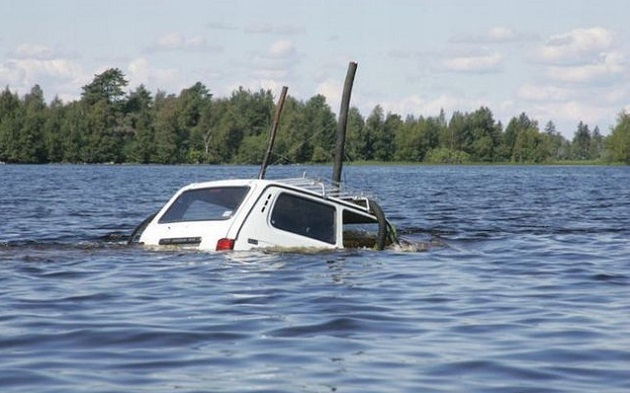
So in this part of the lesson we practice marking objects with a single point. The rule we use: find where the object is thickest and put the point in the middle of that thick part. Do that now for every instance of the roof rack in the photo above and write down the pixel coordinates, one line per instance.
(326, 189)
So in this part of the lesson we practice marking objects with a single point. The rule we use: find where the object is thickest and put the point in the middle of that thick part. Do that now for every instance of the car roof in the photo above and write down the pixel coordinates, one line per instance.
(307, 186)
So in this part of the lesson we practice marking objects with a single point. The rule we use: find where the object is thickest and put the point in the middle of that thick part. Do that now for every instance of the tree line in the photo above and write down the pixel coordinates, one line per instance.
(110, 125)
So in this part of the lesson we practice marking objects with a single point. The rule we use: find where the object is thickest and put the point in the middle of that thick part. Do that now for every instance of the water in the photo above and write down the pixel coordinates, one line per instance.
(524, 287)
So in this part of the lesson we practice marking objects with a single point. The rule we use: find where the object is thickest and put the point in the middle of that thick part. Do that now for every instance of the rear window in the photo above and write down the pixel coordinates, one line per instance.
(205, 204)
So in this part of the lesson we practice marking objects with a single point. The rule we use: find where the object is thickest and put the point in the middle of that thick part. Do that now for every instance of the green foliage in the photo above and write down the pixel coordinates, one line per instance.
(139, 124)
(110, 125)
(107, 86)
(252, 149)
(355, 139)
(581, 144)
(443, 155)
(618, 143)
(11, 114)
(321, 127)
(167, 141)
(409, 140)
(596, 148)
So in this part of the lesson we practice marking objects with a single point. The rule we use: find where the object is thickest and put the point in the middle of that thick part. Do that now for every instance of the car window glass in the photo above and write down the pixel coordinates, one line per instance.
(304, 217)
(359, 231)
(217, 203)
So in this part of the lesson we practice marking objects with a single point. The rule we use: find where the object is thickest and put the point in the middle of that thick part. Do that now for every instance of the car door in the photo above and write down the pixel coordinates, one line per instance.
(286, 218)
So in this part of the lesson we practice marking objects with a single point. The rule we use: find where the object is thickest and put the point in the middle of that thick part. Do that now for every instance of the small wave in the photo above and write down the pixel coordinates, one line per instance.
(115, 237)
(458, 232)
(341, 327)
(43, 244)
(619, 279)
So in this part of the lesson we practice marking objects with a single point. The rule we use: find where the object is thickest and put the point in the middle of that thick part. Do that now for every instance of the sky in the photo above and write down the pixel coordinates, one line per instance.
(554, 60)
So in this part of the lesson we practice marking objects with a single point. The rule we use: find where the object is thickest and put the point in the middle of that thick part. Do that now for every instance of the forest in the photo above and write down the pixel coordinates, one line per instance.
(109, 124)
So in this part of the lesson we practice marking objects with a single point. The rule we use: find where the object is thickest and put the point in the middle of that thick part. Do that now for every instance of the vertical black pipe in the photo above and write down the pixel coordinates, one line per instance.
(272, 133)
(341, 124)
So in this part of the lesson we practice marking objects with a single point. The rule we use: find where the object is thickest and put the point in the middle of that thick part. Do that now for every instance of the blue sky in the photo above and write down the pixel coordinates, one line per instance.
(565, 61)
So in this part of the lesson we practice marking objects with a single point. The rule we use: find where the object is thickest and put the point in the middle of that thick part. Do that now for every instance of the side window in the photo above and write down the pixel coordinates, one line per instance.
(359, 231)
(304, 217)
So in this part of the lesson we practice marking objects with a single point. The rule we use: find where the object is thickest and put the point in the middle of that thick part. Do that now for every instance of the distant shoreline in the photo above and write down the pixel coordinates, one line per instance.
(353, 163)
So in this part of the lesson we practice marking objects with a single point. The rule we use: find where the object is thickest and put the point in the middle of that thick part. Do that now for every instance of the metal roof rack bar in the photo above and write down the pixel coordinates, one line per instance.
(329, 190)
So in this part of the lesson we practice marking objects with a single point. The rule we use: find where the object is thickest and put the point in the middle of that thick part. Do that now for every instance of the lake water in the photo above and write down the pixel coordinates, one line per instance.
(524, 287)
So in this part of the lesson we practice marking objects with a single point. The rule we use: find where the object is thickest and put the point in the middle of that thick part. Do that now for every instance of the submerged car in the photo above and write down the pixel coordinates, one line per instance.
(260, 213)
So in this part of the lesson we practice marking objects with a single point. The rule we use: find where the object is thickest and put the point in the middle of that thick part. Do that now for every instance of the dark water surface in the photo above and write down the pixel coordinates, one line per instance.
(525, 287)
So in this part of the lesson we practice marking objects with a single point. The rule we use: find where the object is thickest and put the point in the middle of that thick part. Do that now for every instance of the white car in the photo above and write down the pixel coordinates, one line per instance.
(257, 213)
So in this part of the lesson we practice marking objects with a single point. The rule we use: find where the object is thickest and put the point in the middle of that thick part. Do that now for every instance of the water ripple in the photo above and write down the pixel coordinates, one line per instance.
(521, 285)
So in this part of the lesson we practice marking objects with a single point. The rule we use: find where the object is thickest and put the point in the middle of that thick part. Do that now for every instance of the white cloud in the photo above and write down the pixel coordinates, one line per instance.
(267, 69)
(533, 92)
(269, 72)
(617, 95)
(141, 72)
(28, 72)
(566, 106)
(220, 25)
(489, 62)
(584, 78)
(570, 113)
(282, 49)
(607, 69)
(501, 34)
(33, 51)
(269, 29)
(576, 47)
(32, 66)
(177, 41)
(332, 90)
(416, 105)
(10, 74)
(494, 35)
(275, 64)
